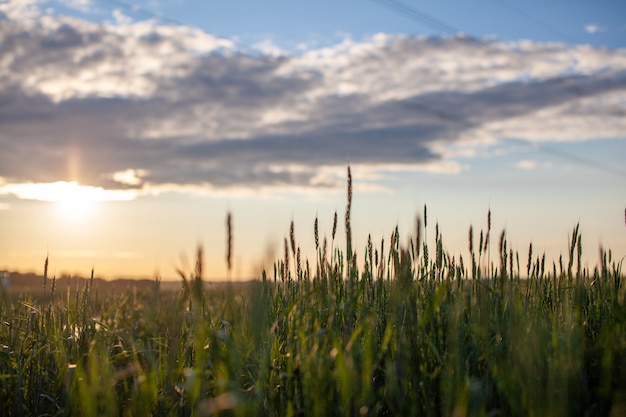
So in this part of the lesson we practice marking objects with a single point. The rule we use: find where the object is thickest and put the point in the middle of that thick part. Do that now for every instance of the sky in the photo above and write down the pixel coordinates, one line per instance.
(128, 130)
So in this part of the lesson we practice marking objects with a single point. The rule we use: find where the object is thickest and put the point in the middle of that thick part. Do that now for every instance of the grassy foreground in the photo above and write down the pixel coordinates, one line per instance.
(405, 331)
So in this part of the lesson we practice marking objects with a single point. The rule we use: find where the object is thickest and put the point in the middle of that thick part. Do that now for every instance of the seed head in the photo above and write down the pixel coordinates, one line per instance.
(229, 241)
(298, 264)
(292, 238)
(317, 235)
(286, 273)
(418, 232)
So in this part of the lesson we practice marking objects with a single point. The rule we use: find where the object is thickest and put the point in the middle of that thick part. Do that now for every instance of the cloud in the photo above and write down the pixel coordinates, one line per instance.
(268, 47)
(80, 5)
(62, 191)
(20, 9)
(526, 165)
(129, 176)
(121, 18)
(140, 107)
(530, 165)
(592, 28)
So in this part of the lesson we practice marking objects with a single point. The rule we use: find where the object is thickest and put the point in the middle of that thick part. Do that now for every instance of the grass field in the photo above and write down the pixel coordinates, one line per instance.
(393, 330)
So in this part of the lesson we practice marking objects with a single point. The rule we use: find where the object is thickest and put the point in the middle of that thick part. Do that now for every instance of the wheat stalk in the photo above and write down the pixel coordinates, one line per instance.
(229, 242)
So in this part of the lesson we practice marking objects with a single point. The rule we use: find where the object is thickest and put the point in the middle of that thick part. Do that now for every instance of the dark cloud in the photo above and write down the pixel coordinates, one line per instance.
(65, 36)
(80, 101)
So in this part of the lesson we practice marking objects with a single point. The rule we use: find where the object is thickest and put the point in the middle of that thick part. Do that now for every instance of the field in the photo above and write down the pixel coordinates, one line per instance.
(394, 330)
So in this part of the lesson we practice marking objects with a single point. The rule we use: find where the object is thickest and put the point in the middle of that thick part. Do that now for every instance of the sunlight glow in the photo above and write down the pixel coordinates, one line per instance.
(73, 200)
(66, 191)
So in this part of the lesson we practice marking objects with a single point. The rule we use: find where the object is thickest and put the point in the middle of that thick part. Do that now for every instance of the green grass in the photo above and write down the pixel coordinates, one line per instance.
(402, 331)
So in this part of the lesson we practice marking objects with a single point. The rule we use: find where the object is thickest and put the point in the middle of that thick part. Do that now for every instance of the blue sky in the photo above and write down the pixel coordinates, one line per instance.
(129, 129)
(297, 22)
(290, 23)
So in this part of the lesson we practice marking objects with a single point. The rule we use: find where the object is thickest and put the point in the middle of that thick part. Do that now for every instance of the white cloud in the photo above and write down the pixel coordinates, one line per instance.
(76, 59)
(268, 47)
(62, 191)
(527, 165)
(189, 111)
(129, 176)
(81, 5)
(20, 9)
(120, 18)
(592, 28)
(530, 165)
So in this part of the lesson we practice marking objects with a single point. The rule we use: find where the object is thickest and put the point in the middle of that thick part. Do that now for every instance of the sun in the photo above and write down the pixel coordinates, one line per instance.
(76, 202)
(73, 201)
(74, 206)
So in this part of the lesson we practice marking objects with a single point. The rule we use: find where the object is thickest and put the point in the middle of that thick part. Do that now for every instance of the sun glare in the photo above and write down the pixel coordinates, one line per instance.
(74, 201)
(74, 205)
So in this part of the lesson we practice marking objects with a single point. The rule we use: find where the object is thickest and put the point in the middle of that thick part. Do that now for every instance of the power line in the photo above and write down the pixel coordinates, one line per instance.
(538, 146)
(418, 16)
(421, 17)
(425, 19)
(583, 161)
(535, 20)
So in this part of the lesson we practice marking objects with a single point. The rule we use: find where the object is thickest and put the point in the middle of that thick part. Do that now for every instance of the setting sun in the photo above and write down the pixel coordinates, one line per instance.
(74, 205)
(74, 201)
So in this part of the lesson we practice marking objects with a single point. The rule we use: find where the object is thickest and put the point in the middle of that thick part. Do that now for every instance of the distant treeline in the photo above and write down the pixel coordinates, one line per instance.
(32, 281)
